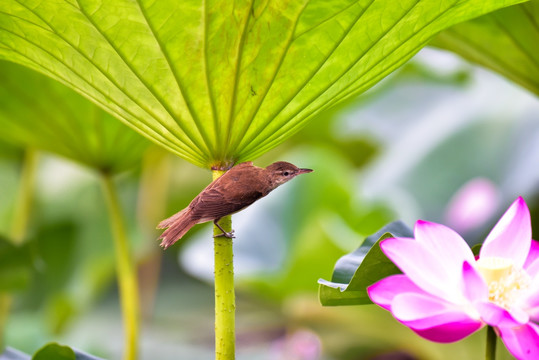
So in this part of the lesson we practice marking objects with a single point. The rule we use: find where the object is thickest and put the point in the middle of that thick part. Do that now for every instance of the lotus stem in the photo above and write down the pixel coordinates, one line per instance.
(126, 271)
(225, 302)
(153, 194)
(25, 196)
(19, 227)
(491, 344)
(5, 305)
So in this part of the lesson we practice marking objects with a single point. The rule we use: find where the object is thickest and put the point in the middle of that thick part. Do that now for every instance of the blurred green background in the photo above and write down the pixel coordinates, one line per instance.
(407, 149)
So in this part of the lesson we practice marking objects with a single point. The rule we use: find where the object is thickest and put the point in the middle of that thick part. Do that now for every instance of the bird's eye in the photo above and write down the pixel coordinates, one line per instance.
(286, 173)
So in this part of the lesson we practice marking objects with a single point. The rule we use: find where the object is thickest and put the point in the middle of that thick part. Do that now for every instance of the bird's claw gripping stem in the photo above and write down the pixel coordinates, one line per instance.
(226, 234)
(229, 235)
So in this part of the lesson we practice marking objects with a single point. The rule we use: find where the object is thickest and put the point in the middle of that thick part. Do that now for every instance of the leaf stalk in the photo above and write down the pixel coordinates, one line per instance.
(490, 353)
(25, 197)
(19, 227)
(225, 301)
(126, 271)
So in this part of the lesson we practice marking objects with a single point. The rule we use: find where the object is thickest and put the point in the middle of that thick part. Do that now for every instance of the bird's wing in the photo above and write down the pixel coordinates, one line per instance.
(228, 194)
(238, 169)
(215, 203)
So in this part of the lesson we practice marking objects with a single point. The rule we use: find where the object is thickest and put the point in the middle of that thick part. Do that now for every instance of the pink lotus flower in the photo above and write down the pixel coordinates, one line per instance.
(445, 294)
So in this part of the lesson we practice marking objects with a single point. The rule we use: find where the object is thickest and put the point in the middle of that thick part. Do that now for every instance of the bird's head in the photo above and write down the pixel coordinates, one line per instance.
(282, 171)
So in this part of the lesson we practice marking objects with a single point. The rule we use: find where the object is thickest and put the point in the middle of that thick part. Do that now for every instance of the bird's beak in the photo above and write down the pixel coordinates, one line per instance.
(304, 171)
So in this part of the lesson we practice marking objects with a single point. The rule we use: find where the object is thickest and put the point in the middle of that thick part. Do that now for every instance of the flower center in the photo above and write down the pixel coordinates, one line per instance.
(506, 283)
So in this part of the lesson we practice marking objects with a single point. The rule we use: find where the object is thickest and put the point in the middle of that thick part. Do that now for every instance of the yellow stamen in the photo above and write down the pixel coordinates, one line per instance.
(506, 283)
(494, 268)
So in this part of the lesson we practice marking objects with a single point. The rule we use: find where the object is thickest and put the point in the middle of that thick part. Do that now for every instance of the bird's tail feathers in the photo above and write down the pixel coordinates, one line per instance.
(169, 221)
(176, 226)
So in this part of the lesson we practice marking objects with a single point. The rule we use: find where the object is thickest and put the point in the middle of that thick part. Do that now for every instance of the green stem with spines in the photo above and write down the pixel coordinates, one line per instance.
(490, 353)
(126, 271)
(19, 227)
(225, 301)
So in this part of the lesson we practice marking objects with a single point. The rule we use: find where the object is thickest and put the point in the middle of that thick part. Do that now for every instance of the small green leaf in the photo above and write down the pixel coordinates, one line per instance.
(505, 41)
(222, 81)
(38, 112)
(356, 271)
(15, 266)
(54, 351)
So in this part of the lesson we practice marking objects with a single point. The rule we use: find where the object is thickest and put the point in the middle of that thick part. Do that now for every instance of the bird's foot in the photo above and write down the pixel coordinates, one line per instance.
(226, 234)
(229, 235)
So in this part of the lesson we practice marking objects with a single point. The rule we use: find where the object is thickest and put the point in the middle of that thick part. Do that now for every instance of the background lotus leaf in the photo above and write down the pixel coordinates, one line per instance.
(38, 112)
(505, 41)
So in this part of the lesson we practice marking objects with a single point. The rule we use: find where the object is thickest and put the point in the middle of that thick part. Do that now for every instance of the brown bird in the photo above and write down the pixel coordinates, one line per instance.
(236, 189)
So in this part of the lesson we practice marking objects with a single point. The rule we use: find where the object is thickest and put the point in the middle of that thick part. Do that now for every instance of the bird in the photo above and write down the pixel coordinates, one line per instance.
(235, 190)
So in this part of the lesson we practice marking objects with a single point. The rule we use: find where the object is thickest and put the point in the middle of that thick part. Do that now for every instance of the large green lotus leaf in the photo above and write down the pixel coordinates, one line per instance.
(222, 81)
(506, 41)
(38, 112)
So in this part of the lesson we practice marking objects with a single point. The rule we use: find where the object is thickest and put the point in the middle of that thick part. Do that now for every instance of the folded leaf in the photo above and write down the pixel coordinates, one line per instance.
(222, 81)
(356, 271)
